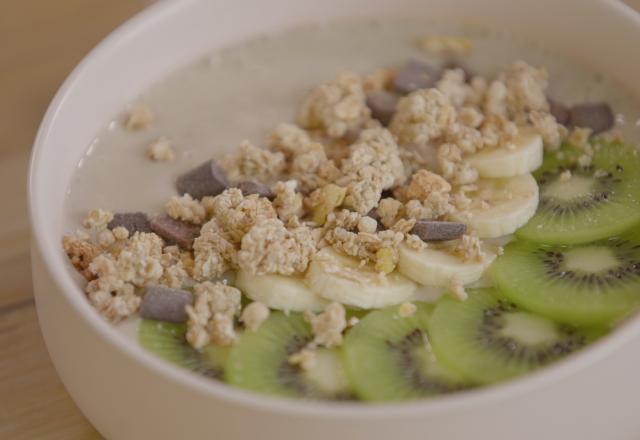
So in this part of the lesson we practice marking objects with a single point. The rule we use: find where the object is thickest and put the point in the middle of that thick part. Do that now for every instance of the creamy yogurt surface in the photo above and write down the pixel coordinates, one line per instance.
(244, 91)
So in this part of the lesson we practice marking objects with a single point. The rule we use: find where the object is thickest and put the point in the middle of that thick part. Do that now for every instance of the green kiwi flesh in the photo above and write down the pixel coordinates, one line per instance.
(598, 201)
(259, 361)
(588, 284)
(167, 340)
(488, 339)
(389, 358)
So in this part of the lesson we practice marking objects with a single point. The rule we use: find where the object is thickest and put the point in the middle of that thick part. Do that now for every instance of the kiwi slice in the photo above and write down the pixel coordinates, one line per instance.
(488, 339)
(593, 283)
(259, 361)
(597, 201)
(167, 340)
(389, 358)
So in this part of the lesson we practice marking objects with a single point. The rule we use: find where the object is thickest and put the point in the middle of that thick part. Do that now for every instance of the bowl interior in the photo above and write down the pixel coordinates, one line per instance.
(172, 34)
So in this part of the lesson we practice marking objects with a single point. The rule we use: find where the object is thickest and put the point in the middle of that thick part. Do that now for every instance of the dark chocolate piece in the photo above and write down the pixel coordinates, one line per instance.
(250, 187)
(207, 179)
(597, 116)
(131, 221)
(413, 76)
(559, 111)
(175, 231)
(382, 105)
(429, 230)
(163, 303)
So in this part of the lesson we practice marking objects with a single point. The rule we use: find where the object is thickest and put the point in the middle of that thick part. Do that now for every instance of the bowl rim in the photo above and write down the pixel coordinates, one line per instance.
(54, 264)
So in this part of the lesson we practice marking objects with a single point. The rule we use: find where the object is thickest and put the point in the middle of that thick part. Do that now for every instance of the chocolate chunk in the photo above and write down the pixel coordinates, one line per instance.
(163, 303)
(131, 221)
(457, 64)
(429, 230)
(559, 111)
(250, 187)
(207, 179)
(597, 116)
(413, 76)
(382, 105)
(175, 231)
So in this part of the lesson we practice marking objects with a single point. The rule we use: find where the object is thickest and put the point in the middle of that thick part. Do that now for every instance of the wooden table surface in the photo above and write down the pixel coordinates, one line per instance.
(40, 42)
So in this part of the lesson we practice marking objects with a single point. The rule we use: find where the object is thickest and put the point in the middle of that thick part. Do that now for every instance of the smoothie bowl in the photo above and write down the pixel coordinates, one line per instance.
(327, 222)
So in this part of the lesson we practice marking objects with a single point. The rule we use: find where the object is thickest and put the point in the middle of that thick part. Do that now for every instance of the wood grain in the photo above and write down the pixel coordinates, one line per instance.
(40, 42)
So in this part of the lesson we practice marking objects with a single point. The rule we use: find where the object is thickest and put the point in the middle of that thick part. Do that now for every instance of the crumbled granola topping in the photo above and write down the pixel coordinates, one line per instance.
(97, 219)
(269, 247)
(312, 169)
(414, 242)
(287, 202)
(211, 315)
(406, 310)
(216, 249)
(457, 289)
(106, 238)
(389, 210)
(81, 253)
(367, 224)
(526, 86)
(214, 252)
(254, 315)
(336, 107)
(304, 359)
(289, 139)
(565, 176)
(424, 183)
(328, 326)
(579, 138)
(469, 248)
(139, 117)
(552, 133)
(429, 196)
(373, 165)
(221, 330)
(186, 208)
(453, 167)
(115, 277)
(453, 85)
(340, 233)
(251, 162)
(161, 150)
(422, 116)
(380, 79)
(236, 213)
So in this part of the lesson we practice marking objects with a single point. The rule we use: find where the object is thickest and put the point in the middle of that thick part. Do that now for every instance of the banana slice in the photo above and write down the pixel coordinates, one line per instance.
(280, 292)
(339, 278)
(522, 156)
(435, 267)
(500, 206)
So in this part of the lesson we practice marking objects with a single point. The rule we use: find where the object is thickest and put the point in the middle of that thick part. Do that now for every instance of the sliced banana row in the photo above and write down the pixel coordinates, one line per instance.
(521, 156)
(280, 292)
(500, 206)
(433, 267)
(339, 278)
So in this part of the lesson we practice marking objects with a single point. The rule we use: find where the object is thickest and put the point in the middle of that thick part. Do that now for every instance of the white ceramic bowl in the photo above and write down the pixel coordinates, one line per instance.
(130, 394)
